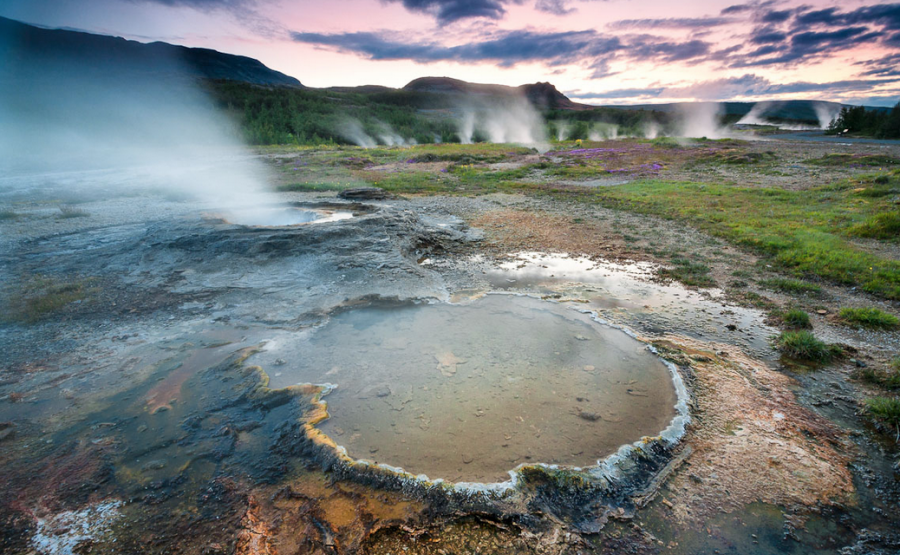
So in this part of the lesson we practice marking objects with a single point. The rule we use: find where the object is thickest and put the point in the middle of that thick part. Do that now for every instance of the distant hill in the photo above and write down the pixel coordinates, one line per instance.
(23, 48)
(543, 95)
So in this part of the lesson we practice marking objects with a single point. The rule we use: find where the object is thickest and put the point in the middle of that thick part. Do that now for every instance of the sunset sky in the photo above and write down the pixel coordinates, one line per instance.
(595, 51)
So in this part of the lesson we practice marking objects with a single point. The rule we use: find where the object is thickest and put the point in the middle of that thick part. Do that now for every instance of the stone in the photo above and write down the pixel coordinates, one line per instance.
(364, 193)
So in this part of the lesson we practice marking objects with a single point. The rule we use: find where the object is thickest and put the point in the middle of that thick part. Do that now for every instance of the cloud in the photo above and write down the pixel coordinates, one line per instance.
(555, 7)
(767, 36)
(206, 5)
(776, 16)
(449, 11)
(745, 86)
(511, 47)
(671, 23)
(884, 15)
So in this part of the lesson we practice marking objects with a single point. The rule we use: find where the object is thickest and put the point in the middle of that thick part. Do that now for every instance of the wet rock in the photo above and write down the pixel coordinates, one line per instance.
(7, 430)
(382, 391)
(365, 193)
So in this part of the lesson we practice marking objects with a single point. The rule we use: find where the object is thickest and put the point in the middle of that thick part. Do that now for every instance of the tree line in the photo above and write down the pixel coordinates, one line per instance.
(859, 120)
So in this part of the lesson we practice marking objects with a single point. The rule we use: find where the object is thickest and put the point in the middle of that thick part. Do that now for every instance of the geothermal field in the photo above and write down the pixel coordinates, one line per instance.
(479, 325)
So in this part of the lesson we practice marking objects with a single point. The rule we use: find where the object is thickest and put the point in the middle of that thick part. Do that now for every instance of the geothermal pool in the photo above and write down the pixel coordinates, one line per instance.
(279, 216)
(467, 393)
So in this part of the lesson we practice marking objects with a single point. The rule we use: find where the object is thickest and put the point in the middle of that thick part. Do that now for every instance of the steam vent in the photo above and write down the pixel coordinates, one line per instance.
(466, 393)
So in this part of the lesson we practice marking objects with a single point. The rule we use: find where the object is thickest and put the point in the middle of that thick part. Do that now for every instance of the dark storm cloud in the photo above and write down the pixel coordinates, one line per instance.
(510, 48)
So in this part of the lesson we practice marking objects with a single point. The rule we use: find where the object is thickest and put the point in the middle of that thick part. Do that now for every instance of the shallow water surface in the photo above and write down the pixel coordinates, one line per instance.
(278, 216)
(469, 392)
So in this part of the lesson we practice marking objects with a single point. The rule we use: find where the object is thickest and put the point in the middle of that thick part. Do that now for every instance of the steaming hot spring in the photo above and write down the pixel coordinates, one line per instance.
(468, 392)
(285, 215)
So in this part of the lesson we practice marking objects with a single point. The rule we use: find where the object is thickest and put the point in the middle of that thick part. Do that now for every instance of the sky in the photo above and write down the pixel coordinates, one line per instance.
(594, 51)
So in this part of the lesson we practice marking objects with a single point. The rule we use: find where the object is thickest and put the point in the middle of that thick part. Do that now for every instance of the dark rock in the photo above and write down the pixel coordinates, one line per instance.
(365, 193)
(589, 416)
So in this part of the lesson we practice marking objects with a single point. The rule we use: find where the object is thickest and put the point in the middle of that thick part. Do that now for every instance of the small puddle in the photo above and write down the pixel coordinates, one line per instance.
(467, 393)
(625, 293)
(281, 216)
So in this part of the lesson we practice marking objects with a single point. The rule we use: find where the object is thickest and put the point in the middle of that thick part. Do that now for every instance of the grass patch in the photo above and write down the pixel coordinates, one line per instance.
(69, 211)
(800, 231)
(688, 272)
(41, 296)
(787, 285)
(311, 187)
(796, 319)
(869, 318)
(888, 379)
(803, 345)
(882, 226)
(854, 160)
(886, 410)
(8, 215)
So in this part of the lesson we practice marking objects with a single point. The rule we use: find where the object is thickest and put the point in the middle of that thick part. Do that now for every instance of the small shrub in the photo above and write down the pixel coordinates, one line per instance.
(796, 319)
(787, 285)
(8, 215)
(869, 318)
(805, 346)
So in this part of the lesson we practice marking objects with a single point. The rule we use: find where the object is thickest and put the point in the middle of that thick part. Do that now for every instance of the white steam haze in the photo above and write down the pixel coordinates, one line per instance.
(512, 121)
(702, 119)
(826, 113)
(757, 116)
(108, 129)
(352, 130)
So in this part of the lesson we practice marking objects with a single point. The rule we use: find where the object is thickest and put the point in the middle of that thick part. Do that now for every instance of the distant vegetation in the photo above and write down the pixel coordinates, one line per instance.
(290, 115)
(287, 115)
(871, 122)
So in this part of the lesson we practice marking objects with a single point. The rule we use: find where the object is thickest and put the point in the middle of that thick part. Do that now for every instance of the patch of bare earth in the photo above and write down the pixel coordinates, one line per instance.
(752, 441)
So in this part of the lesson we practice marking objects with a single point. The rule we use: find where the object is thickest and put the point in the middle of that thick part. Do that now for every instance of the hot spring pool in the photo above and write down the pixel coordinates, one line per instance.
(469, 392)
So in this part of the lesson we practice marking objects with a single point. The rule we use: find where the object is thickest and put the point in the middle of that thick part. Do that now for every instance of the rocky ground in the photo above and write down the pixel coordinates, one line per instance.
(130, 419)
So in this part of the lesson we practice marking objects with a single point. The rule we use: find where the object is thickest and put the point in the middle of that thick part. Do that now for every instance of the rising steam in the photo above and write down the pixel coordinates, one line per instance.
(117, 129)
(512, 121)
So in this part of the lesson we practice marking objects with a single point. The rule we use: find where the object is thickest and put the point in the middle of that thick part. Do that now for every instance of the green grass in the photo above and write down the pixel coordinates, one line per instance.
(40, 296)
(788, 285)
(886, 410)
(841, 159)
(803, 345)
(796, 319)
(803, 232)
(869, 318)
(312, 187)
(888, 379)
(881, 226)
(688, 272)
